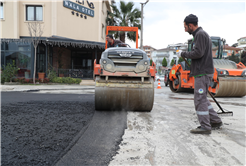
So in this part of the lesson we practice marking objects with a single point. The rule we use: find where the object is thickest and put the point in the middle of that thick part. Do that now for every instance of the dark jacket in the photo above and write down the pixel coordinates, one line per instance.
(116, 42)
(201, 54)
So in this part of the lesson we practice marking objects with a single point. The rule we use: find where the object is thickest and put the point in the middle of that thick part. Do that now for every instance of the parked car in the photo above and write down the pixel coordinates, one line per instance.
(161, 78)
(166, 76)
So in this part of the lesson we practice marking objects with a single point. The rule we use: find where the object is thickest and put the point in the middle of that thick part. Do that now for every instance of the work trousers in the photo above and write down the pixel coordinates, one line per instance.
(204, 109)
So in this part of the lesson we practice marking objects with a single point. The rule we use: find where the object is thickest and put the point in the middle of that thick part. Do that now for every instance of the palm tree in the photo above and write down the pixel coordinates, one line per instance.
(126, 15)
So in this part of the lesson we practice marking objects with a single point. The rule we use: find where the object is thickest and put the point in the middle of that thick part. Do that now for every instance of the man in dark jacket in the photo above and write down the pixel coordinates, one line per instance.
(112, 42)
(202, 69)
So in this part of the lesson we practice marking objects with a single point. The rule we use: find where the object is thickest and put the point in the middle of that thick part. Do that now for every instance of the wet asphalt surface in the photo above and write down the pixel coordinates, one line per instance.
(57, 129)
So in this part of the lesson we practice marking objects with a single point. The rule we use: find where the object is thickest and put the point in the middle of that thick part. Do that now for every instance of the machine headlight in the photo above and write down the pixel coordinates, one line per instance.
(109, 66)
(104, 61)
(145, 63)
(141, 67)
(222, 72)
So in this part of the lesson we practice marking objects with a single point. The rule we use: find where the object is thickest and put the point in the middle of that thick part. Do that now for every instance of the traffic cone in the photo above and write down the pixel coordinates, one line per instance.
(159, 85)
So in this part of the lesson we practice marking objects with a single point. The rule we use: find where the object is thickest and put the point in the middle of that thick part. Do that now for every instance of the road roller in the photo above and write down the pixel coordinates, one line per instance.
(229, 78)
(124, 79)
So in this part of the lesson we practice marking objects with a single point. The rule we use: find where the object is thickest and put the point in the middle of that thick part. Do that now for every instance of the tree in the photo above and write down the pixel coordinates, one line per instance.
(172, 62)
(180, 60)
(234, 58)
(235, 45)
(164, 62)
(126, 15)
(35, 30)
(243, 57)
(151, 62)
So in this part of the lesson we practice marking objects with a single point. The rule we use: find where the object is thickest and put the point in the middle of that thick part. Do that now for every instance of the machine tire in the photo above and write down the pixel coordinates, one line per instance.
(173, 88)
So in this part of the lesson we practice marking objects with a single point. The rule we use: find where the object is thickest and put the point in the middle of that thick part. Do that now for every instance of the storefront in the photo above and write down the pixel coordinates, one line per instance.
(73, 36)
(70, 58)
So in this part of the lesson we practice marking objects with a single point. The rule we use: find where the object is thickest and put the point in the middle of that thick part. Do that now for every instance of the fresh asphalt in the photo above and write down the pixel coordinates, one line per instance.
(58, 129)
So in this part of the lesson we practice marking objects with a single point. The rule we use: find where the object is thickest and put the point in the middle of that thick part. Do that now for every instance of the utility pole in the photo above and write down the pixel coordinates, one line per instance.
(141, 41)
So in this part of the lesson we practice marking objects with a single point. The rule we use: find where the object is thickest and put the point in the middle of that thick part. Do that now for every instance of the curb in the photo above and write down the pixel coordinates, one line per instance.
(37, 90)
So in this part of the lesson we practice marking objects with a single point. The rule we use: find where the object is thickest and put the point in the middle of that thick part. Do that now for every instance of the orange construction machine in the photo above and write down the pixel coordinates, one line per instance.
(124, 78)
(229, 78)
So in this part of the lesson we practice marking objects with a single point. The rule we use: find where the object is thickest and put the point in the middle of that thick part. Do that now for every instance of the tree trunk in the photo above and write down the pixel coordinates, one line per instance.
(34, 71)
(122, 37)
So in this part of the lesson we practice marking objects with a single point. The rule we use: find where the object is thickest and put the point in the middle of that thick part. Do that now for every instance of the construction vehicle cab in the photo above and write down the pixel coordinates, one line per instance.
(229, 78)
(124, 78)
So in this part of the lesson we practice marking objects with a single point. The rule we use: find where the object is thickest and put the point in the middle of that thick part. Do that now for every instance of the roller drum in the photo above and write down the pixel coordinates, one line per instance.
(231, 87)
(124, 95)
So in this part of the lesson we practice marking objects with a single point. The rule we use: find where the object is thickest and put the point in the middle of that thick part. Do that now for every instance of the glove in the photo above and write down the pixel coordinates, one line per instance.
(178, 53)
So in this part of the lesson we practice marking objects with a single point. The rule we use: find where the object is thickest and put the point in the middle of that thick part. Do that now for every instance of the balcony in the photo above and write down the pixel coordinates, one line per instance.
(162, 55)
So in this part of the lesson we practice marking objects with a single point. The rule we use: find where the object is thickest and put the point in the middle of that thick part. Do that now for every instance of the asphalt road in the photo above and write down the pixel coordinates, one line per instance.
(57, 129)
(160, 137)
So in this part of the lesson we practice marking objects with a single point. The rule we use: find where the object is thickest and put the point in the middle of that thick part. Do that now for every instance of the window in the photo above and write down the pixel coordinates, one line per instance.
(1, 11)
(34, 13)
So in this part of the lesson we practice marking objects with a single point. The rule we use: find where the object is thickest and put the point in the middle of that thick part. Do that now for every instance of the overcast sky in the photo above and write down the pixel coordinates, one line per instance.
(163, 20)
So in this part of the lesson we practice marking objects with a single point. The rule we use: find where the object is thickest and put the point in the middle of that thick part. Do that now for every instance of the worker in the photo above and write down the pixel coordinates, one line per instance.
(202, 70)
(112, 42)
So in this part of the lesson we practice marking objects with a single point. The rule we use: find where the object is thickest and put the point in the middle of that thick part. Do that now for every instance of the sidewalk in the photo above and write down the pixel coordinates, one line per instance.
(85, 84)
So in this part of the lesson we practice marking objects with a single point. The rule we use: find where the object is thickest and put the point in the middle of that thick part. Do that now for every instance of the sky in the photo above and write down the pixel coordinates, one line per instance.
(163, 20)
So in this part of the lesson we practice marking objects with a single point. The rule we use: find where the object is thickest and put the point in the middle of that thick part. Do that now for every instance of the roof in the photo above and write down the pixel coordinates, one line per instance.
(177, 45)
(60, 41)
(166, 49)
(149, 46)
(226, 47)
(231, 48)
(242, 38)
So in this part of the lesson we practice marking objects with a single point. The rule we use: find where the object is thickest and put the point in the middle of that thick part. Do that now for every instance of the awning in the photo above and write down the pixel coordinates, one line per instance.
(59, 41)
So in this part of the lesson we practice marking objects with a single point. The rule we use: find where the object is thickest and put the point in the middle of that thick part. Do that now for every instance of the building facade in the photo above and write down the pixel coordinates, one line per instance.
(159, 55)
(178, 46)
(242, 43)
(148, 50)
(73, 35)
(227, 51)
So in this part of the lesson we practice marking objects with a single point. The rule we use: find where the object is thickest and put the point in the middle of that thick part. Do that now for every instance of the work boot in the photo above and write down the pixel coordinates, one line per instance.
(200, 131)
(214, 125)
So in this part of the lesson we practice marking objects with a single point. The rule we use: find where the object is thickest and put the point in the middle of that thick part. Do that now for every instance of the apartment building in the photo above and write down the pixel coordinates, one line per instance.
(73, 34)
(148, 50)
(242, 43)
(178, 46)
(159, 55)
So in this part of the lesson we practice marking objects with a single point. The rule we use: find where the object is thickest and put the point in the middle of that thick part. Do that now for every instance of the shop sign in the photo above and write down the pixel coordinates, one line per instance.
(78, 8)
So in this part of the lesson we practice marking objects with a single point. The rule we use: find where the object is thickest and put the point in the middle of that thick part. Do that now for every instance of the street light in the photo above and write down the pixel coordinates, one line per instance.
(141, 42)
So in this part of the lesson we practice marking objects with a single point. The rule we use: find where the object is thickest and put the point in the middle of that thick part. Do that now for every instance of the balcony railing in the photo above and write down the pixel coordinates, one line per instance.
(162, 55)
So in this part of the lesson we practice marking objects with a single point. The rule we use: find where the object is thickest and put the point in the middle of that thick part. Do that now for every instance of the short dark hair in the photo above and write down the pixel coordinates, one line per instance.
(191, 19)
(194, 23)
(110, 36)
